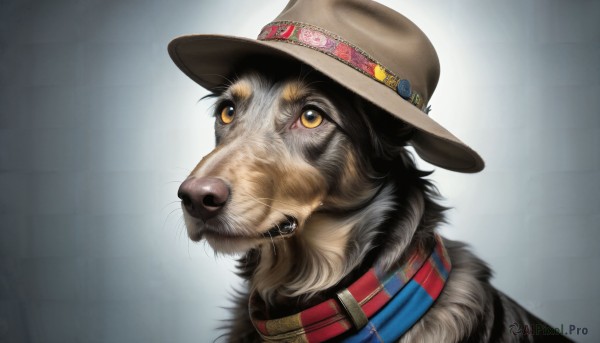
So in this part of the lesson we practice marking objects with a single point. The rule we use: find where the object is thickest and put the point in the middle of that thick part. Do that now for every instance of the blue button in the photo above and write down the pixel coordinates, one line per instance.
(404, 89)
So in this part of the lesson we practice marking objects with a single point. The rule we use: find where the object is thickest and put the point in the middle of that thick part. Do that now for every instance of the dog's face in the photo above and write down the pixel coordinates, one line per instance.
(284, 153)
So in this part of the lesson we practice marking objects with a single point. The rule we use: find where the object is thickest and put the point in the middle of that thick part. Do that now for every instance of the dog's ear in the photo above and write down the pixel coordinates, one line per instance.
(388, 134)
(387, 139)
(396, 131)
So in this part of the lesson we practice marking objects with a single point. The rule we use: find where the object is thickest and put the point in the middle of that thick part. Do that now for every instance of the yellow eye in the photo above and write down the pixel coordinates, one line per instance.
(311, 119)
(227, 114)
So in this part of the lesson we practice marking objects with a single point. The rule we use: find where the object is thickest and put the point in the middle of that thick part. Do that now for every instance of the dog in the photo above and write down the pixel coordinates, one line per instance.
(312, 183)
(314, 208)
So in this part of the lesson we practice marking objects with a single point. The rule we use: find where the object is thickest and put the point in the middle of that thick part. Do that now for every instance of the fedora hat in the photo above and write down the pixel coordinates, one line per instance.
(368, 48)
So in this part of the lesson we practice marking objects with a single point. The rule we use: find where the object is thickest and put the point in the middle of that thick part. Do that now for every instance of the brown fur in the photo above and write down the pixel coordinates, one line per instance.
(358, 199)
(293, 91)
(241, 90)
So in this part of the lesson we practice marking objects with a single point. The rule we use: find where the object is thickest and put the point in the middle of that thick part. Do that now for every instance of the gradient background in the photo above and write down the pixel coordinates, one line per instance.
(98, 127)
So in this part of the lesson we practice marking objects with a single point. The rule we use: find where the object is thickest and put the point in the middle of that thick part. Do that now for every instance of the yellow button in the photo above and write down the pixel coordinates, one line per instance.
(379, 73)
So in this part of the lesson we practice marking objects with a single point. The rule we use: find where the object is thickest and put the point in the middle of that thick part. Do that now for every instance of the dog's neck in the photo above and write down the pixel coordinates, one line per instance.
(301, 271)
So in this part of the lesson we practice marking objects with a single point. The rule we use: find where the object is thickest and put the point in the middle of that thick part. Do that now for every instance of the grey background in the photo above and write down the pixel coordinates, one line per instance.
(98, 127)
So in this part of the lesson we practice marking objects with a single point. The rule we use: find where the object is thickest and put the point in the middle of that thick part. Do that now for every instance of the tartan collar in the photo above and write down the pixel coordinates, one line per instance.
(377, 305)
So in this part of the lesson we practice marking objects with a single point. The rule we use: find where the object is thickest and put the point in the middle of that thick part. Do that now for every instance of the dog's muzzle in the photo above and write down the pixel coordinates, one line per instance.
(205, 197)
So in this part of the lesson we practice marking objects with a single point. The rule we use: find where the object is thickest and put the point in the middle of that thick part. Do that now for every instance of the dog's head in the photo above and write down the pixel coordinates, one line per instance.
(286, 150)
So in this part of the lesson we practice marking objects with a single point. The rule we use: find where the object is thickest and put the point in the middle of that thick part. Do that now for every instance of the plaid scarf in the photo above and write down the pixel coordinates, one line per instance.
(377, 308)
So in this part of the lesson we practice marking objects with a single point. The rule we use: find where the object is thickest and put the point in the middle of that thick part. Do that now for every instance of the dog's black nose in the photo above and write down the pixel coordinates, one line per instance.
(203, 197)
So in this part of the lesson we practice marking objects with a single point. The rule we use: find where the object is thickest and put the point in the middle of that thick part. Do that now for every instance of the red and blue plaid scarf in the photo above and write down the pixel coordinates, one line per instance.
(377, 308)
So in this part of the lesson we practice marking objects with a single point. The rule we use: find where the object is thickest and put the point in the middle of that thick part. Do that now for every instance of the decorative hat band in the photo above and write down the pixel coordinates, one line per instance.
(334, 46)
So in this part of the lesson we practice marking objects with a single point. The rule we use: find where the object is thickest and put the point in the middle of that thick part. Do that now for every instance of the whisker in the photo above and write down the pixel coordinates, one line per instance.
(167, 217)
(208, 96)
(272, 244)
(188, 248)
(277, 201)
(206, 252)
(263, 203)
(229, 82)
(187, 170)
(181, 226)
(170, 203)
(172, 211)
(271, 199)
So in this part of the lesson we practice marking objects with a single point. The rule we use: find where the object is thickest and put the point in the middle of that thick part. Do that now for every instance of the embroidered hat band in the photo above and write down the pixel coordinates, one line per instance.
(334, 46)
(376, 305)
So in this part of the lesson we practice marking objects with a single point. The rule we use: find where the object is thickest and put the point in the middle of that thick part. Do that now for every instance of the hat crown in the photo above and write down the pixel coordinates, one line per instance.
(384, 34)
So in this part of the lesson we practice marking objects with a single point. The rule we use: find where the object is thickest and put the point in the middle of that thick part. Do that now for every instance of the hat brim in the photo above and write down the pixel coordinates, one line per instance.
(210, 60)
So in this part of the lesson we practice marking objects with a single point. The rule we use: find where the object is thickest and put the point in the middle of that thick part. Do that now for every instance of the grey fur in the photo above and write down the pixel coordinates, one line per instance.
(388, 209)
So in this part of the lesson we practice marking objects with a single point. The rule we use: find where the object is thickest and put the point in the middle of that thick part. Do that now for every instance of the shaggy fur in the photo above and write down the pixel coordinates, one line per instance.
(357, 197)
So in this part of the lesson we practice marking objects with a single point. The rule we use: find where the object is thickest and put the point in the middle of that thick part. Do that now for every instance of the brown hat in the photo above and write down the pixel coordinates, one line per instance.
(368, 48)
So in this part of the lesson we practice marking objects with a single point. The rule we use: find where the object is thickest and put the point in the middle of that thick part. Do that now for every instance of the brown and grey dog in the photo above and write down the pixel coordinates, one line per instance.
(314, 186)
(311, 182)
